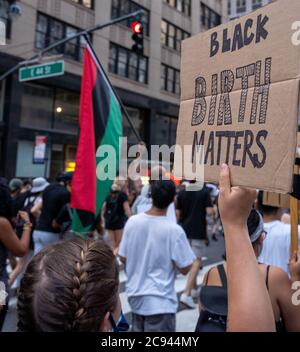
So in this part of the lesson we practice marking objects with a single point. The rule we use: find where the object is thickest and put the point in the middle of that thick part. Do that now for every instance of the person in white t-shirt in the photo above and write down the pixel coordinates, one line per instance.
(277, 245)
(152, 249)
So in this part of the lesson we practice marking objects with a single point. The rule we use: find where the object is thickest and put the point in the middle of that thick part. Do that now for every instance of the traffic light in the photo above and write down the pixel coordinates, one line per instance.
(138, 38)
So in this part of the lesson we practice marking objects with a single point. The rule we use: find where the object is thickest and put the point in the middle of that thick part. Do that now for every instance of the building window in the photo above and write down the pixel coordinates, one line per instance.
(50, 108)
(165, 129)
(241, 6)
(4, 17)
(121, 8)
(66, 110)
(171, 36)
(137, 117)
(50, 30)
(229, 7)
(37, 106)
(183, 6)
(209, 18)
(86, 3)
(170, 79)
(256, 4)
(126, 63)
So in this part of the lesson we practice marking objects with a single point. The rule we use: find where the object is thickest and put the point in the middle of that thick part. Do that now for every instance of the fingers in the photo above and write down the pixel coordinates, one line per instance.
(225, 184)
(252, 194)
(294, 257)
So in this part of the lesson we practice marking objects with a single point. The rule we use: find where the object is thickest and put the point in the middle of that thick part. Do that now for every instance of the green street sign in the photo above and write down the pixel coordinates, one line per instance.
(50, 69)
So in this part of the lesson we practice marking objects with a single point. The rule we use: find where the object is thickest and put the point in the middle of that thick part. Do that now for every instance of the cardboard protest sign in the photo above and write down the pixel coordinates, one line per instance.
(240, 97)
(276, 200)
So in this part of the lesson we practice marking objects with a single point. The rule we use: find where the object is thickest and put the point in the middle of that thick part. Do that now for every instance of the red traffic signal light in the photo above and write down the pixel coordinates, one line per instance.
(137, 27)
(138, 38)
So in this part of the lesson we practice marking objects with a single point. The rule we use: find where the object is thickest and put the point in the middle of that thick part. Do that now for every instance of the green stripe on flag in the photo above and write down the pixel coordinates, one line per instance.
(77, 226)
(113, 132)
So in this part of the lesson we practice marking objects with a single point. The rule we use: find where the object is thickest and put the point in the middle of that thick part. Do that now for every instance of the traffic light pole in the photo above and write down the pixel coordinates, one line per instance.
(37, 58)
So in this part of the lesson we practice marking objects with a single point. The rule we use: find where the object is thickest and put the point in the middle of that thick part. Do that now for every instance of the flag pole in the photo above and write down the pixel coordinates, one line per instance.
(136, 133)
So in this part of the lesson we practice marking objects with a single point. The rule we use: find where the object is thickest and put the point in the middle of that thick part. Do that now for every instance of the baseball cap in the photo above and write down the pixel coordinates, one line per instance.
(15, 184)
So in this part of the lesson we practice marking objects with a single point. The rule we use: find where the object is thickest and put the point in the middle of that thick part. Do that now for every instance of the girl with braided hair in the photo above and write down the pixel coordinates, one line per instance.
(71, 287)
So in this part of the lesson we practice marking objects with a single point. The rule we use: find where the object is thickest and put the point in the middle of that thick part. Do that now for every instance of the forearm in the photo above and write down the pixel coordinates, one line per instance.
(249, 303)
(25, 241)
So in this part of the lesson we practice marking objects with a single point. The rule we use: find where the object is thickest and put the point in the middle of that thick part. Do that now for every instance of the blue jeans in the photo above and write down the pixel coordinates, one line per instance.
(43, 239)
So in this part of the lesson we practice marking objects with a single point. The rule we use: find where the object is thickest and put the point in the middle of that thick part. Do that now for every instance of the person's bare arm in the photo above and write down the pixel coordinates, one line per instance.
(281, 286)
(249, 309)
(127, 210)
(36, 209)
(18, 247)
(185, 271)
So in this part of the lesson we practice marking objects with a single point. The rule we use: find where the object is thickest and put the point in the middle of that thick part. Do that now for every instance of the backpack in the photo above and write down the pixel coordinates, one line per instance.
(214, 301)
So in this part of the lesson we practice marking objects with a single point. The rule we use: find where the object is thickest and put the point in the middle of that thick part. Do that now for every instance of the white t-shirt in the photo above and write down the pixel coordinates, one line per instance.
(276, 246)
(152, 246)
(171, 213)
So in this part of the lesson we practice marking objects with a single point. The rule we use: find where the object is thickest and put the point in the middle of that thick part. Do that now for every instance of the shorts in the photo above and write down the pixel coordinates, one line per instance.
(154, 323)
(43, 239)
(198, 247)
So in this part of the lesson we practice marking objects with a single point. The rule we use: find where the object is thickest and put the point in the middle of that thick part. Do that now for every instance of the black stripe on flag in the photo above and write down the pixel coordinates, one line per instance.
(101, 106)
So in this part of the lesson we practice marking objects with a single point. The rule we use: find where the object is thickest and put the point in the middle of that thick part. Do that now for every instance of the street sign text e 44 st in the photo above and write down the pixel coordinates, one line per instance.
(50, 69)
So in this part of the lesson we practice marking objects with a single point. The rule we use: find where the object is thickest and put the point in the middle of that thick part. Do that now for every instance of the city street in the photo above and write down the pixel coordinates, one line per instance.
(186, 318)
(138, 139)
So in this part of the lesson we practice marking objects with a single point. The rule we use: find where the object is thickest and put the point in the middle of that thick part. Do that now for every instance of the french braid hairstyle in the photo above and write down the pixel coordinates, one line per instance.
(68, 287)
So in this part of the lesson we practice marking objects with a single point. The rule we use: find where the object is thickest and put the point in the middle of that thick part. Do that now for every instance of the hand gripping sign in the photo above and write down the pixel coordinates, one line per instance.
(240, 98)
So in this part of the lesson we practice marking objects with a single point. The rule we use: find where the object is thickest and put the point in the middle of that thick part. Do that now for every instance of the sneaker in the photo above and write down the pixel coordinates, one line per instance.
(188, 301)
(195, 293)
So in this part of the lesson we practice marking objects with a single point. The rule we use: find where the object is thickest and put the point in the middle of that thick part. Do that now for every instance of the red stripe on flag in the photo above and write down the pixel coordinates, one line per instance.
(84, 179)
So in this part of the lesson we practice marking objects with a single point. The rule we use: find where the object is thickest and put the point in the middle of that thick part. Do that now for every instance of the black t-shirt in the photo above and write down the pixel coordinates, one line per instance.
(18, 202)
(54, 198)
(115, 215)
(64, 219)
(64, 216)
(193, 212)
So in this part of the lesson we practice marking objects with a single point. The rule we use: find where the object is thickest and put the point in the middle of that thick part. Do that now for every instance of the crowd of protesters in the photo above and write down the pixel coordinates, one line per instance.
(156, 231)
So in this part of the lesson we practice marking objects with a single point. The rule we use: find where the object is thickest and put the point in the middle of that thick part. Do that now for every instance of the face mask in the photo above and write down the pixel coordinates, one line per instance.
(122, 324)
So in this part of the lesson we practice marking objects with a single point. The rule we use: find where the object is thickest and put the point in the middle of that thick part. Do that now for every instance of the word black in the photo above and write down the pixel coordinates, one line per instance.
(241, 37)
